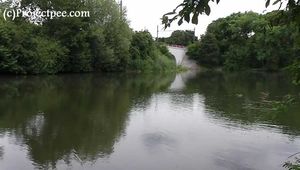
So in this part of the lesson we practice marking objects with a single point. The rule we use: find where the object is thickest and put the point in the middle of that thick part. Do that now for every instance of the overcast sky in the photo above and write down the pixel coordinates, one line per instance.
(146, 14)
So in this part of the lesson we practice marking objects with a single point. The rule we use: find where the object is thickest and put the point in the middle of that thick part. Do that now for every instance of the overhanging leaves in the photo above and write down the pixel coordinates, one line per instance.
(196, 7)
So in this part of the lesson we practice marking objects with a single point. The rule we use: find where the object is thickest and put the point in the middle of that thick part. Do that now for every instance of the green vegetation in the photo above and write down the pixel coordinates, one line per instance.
(179, 37)
(291, 166)
(102, 42)
(148, 56)
(189, 11)
(247, 41)
(294, 164)
(23, 49)
(288, 21)
(295, 70)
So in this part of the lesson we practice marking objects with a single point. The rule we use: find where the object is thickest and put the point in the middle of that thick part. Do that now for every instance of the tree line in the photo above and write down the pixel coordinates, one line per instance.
(249, 41)
(189, 11)
(103, 42)
(180, 37)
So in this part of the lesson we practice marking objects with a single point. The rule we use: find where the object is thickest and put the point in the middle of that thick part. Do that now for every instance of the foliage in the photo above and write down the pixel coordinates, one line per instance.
(22, 50)
(190, 11)
(142, 45)
(295, 70)
(209, 50)
(291, 166)
(248, 40)
(294, 164)
(179, 37)
(147, 56)
(164, 50)
(101, 42)
(194, 8)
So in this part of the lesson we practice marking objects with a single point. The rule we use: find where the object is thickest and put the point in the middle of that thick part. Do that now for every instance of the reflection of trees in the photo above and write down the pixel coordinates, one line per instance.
(228, 94)
(72, 117)
(1, 152)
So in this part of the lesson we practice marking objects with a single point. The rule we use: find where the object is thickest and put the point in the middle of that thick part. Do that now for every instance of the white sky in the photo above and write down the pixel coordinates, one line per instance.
(146, 14)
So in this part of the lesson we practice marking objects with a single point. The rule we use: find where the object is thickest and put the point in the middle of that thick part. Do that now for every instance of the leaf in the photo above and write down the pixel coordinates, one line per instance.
(170, 13)
(190, 2)
(268, 3)
(276, 2)
(207, 10)
(280, 5)
(182, 4)
(180, 21)
(195, 18)
(165, 19)
(187, 17)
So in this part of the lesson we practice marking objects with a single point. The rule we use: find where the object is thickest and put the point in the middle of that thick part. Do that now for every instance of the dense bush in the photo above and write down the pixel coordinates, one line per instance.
(295, 70)
(101, 42)
(165, 51)
(24, 50)
(146, 55)
(209, 49)
(179, 37)
(248, 40)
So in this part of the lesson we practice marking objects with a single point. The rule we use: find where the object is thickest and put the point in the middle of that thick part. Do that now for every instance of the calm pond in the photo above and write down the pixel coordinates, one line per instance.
(191, 121)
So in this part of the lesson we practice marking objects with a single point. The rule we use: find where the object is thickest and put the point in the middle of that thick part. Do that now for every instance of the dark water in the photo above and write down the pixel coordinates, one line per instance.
(144, 122)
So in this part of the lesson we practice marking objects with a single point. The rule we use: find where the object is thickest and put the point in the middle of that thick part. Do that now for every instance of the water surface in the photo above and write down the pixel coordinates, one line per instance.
(125, 122)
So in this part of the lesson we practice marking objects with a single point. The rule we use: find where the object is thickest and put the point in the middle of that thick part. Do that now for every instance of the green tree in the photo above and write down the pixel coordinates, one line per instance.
(24, 50)
(194, 8)
(101, 42)
(208, 49)
(190, 11)
(248, 40)
(183, 38)
(147, 56)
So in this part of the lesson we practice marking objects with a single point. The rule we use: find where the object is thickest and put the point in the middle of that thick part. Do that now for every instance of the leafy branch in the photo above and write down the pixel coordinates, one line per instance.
(194, 8)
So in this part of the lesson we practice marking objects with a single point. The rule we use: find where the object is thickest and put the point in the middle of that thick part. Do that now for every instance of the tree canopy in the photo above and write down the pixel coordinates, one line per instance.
(247, 40)
(189, 10)
(180, 37)
(289, 18)
(101, 42)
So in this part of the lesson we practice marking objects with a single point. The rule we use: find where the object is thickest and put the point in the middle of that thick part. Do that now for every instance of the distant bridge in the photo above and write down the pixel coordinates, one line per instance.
(179, 53)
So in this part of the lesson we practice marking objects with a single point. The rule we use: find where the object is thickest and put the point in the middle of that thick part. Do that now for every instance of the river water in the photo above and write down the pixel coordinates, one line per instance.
(190, 121)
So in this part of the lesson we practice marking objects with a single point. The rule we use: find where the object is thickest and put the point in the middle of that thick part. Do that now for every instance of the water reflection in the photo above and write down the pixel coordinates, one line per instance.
(73, 116)
(189, 121)
(228, 96)
(1, 152)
